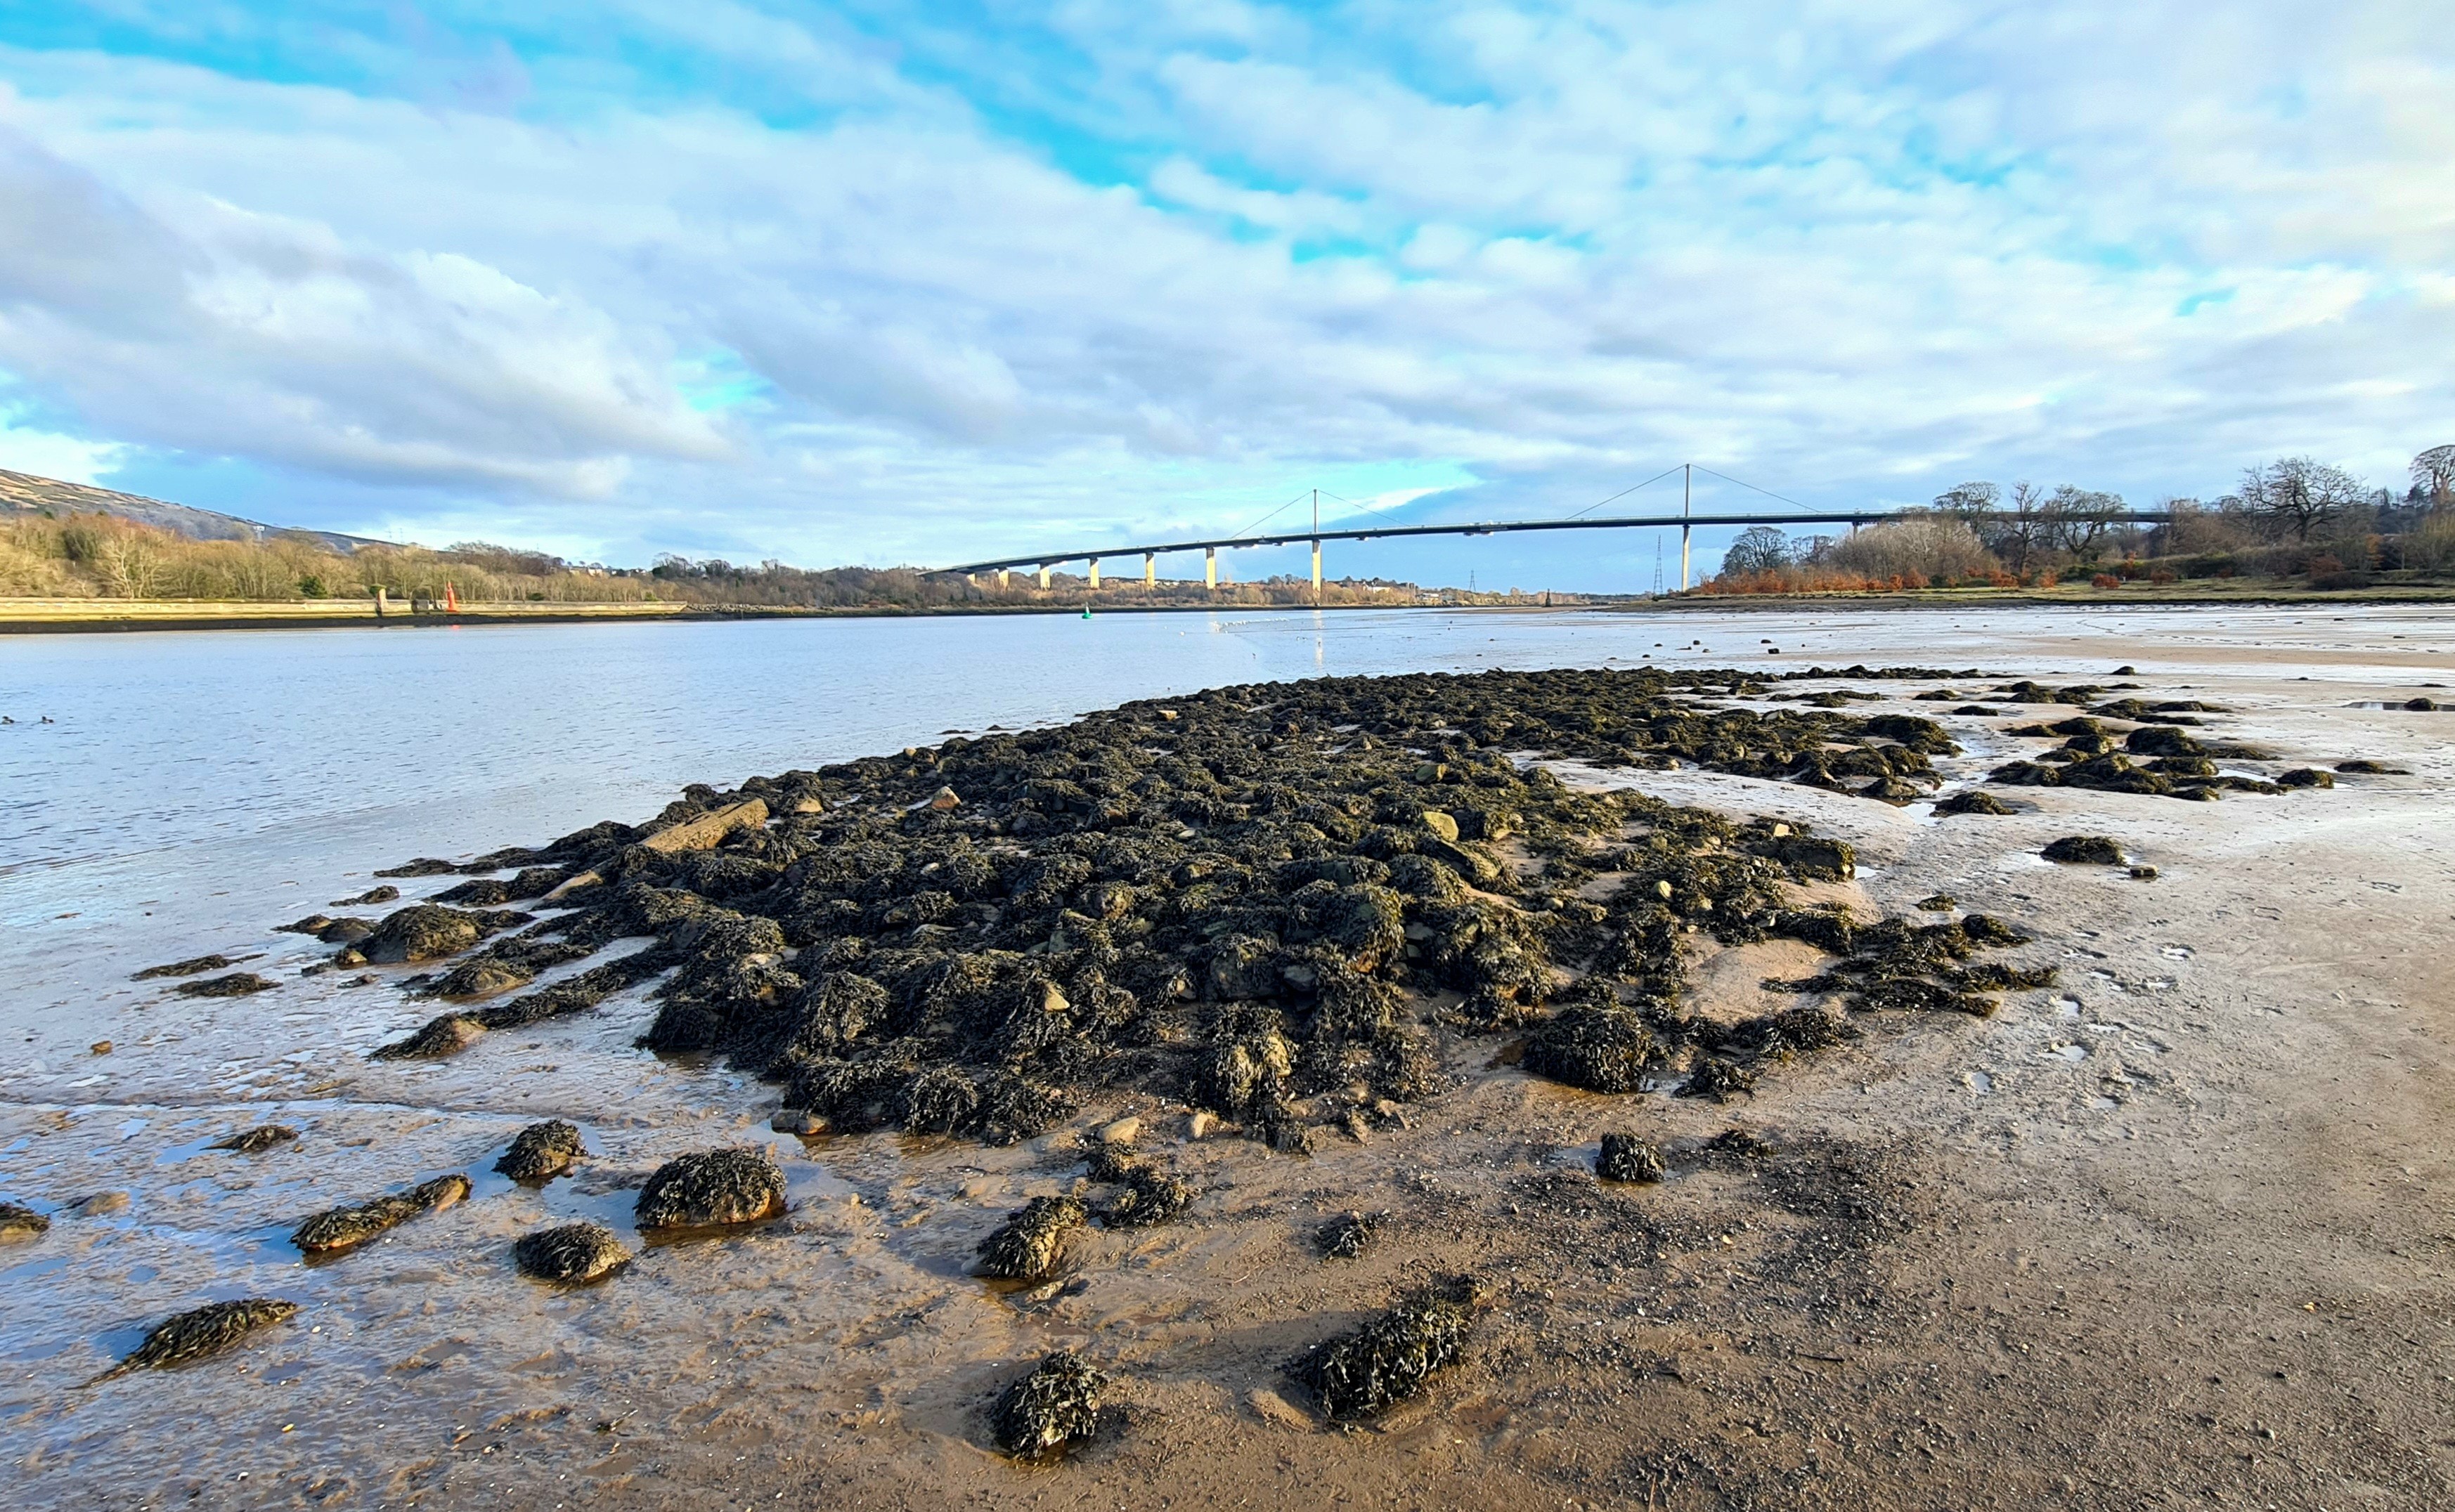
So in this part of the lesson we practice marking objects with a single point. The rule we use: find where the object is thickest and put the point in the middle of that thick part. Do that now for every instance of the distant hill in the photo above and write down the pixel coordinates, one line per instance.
(24, 494)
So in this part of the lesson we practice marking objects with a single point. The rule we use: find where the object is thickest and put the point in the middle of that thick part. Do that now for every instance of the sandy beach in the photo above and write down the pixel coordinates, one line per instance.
(2172, 1231)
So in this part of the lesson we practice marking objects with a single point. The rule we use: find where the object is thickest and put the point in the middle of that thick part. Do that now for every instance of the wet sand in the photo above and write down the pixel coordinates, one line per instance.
(2172, 1231)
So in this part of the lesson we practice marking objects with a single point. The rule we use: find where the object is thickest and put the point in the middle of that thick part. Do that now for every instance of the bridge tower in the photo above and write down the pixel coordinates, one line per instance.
(1151, 570)
(1210, 568)
(1687, 474)
(1095, 574)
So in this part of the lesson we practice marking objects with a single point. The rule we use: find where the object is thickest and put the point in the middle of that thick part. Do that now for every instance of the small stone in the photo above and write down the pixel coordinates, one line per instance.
(1201, 1125)
(542, 1151)
(946, 799)
(2084, 850)
(2144, 873)
(1938, 902)
(1122, 1133)
(100, 1047)
(1441, 824)
(799, 1121)
(251, 1141)
(101, 1205)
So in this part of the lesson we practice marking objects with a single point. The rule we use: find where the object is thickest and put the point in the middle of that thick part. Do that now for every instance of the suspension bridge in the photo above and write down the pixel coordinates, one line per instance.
(1685, 522)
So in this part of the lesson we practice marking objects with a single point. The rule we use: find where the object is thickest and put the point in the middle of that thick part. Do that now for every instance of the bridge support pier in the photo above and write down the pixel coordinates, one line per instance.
(1210, 568)
(1043, 577)
(1095, 574)
(1683, 558)
(1316, 572)
(1005, 574)
(1151, 570)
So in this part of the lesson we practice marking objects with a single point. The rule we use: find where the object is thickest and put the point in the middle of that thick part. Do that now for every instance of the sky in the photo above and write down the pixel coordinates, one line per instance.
(878, 282)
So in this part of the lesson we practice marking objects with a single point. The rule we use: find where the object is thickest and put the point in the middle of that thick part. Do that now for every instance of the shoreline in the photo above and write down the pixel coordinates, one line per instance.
(93, 617)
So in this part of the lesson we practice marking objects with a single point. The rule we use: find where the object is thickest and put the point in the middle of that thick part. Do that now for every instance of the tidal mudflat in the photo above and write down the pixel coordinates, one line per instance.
(1604, 1086)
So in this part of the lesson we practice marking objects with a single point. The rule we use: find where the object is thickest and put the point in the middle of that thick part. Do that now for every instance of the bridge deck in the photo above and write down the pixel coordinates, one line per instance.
(1485, 528)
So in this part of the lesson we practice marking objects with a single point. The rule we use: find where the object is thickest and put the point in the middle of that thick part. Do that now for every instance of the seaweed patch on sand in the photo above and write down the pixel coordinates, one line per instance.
(1267, 902)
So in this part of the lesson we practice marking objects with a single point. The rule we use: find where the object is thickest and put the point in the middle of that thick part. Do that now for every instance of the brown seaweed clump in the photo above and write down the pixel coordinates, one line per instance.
(1392, 1357)
(1052, 1409)
(200, 1332)
(1348, 1234)
(711, 1189)
(236, 985)
(184, 968)
(252, 1142)
(343, 1228)
(2084, 850)
(1031, 1244)
(1629, 1157)
(18, 1221)
(572, 1255)
(1973, 800)
(541, 1152)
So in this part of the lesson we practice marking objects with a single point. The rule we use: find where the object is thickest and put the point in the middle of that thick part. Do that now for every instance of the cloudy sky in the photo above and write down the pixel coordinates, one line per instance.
(882, 282)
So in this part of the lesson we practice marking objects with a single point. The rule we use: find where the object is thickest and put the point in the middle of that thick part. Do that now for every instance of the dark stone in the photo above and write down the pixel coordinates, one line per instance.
(342, 1228)
(252, 1141)
(1052, 1409)
(1031, 1244)
(2084, 850)
(237, 984)
(1392, 1357)
(202, 1332)
(184, 968)
(572, 1255)
(542, 1151)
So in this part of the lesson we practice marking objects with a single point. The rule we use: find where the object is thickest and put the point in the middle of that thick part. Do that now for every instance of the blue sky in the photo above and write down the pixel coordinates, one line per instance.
(873, 282)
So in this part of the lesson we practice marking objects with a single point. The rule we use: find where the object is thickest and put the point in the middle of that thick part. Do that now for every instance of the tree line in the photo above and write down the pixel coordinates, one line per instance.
(2291, 515)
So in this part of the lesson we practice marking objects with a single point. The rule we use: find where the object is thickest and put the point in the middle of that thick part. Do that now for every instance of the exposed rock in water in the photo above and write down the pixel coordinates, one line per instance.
(575, 1254)
(385, 893)
(446, 1035)
(2084, 850)
(342, 1228)
(423, 866)
(542, 1151)
(2363, 766)
(711, 1189)
(251, 1141)
(202, 1332)
(1030, 1245)
(2307, 777)
(183, 968)
(1054, 1408)
(1599, 1049)
(1392, 1357)
(18, 1221)
(1629, 1157)
(1939, 903)
(237, 984)
(430, 932)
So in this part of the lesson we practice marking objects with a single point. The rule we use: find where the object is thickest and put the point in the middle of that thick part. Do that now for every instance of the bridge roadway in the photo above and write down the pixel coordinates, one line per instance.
(1209, 549)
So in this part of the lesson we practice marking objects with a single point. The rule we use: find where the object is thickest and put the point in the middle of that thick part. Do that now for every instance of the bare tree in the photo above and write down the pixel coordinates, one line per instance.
(2433, 474)
(1968, 501)
(1759, 549)
(2300, 495)
(2015, 532)
(2075, 519)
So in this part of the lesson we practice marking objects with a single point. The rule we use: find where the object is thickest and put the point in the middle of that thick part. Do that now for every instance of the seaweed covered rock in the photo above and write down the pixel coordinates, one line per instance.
(2084, 850)
(1030, 1245)
(236, 985)
(1392, 1356)
(18, 1221)
(542, 1151)
(340, 1228)
(1629, 1157)
(430, 932)
(573, 1255)
(202, 1332)
(1051, 1409)
(1601, 1049)
(444, 1035)
(711, 1189)
(1972, 800)
(190, 967)
(2306, 777)
(257, 1140)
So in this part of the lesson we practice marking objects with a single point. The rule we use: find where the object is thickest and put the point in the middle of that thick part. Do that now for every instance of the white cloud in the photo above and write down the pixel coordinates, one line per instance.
(1858, 249)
